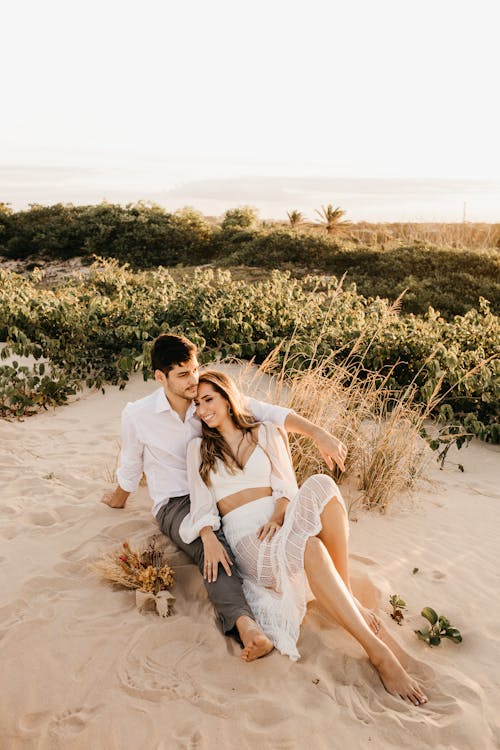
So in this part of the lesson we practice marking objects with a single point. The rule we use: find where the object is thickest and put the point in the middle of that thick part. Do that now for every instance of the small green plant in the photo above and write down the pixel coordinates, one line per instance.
(397, 604)
(439, 628)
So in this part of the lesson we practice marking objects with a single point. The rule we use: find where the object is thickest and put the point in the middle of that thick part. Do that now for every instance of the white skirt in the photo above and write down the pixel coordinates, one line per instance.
(274, 581)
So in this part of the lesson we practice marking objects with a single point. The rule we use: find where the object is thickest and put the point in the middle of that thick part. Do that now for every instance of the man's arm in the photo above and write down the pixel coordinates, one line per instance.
(330, 447)
(131, 464)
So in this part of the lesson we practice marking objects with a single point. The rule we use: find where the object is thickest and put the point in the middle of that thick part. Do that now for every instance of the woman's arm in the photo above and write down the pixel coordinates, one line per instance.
(203, 510)
(214, 553)
(203, 518)
(269, 529)
(283, 481)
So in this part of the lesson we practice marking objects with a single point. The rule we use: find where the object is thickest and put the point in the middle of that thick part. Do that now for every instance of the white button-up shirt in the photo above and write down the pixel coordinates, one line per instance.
(155, 441)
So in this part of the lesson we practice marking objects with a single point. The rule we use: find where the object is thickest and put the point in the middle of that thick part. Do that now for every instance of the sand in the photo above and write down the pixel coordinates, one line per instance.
(81, 667)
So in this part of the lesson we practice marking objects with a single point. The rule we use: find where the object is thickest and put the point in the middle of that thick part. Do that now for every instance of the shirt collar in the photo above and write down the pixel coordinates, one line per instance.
(163, 404)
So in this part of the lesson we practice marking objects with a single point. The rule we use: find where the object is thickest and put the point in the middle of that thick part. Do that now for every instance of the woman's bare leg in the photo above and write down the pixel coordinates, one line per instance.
(332, 593)
(335, 535)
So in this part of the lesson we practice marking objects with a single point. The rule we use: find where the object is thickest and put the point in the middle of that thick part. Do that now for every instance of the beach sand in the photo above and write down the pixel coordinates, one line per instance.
(81, 667)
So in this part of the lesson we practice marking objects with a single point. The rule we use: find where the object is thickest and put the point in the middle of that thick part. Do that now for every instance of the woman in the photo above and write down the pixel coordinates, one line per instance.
(241, 472)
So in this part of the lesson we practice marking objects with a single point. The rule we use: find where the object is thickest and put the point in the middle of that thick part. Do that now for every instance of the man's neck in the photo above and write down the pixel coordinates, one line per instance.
(179, 405)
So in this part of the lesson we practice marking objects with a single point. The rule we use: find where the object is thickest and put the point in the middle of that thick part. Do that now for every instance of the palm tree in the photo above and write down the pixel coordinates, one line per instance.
(331, 219)
(296, 218)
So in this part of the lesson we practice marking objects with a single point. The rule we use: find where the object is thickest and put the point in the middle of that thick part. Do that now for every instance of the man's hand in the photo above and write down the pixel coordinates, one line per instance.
(330, 448)
(214, 553)
(115, 499)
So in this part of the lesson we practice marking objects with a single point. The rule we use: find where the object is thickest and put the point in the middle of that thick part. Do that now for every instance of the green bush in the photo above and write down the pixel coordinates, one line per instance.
(448, 279)
(138, 234)
(145, 236)
(243, 217)
(98, 330)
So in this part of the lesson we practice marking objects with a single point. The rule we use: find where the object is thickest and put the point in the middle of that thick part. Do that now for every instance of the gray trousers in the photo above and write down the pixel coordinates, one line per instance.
(226, 593)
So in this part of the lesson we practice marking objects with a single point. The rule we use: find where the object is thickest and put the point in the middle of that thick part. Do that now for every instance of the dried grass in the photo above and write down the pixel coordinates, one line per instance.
(464, 234)
(381, 427)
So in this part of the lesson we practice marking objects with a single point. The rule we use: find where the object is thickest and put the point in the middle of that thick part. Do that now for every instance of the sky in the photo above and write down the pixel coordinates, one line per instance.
(223, 103)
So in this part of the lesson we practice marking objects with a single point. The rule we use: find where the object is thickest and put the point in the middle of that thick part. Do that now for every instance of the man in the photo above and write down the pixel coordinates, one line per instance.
(156, 431)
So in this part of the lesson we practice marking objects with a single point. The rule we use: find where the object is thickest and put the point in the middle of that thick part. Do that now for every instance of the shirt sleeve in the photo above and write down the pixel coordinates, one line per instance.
(283, 479)
(129, 472)
(203, 510)
(264, 412)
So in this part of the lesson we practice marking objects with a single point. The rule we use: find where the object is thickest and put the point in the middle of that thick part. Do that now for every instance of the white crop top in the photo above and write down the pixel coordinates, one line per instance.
(268, 466)
(255, 473)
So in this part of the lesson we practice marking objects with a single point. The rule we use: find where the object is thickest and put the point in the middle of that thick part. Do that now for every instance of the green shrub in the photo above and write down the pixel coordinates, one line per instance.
(243, 217)
(98, 330)
(449, 279)
(139, 234)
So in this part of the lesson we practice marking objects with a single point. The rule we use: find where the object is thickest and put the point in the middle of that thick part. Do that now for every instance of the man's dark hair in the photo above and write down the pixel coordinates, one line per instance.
(170, 350)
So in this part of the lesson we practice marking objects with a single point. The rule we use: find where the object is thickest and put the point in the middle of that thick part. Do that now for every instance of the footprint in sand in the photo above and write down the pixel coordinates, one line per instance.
(61, 726)
(189, 738)
(12, 614)
(71, 512)
(266, 713)
(109, 538)
(53, 585)
(125, 529)
(9, 534)
(6, 510)
(438, 575)
(159, 663)
(75, 569)
(41, 518)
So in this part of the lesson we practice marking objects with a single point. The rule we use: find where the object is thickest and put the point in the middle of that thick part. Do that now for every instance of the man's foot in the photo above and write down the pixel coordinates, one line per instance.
(396, 680)
(255, 643)
(369, 617)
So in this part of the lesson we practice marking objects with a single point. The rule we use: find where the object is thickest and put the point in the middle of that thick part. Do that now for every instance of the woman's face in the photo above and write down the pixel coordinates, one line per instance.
(211, 407)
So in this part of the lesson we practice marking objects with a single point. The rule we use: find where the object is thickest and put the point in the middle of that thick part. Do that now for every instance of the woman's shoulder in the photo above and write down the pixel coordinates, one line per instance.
(267, 431)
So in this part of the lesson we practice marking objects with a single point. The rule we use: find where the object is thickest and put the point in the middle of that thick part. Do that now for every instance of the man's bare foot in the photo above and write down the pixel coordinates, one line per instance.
(396, 680)
(255, 643)
(369, 617)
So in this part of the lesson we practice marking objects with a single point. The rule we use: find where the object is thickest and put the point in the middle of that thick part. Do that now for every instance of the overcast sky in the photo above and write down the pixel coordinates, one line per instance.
(202, 90)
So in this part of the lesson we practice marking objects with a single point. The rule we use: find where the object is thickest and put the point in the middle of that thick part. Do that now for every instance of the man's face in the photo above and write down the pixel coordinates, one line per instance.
(182, 380)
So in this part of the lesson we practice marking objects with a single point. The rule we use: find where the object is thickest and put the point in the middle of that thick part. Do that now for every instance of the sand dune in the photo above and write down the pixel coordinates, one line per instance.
(83, 668)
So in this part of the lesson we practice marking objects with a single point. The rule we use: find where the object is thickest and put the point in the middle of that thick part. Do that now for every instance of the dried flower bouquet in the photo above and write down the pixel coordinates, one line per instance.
(146, 571)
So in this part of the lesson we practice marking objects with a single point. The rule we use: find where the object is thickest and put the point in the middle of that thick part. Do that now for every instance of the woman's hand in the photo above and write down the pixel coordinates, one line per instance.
(266, 532)
(214, 553)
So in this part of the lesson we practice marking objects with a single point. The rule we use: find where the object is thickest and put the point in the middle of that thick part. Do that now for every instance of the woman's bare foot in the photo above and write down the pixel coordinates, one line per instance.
(396, 680)
(369, 617)
(255, 643)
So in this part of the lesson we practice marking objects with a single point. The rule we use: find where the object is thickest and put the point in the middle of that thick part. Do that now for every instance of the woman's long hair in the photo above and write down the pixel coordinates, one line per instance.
(213, 445)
